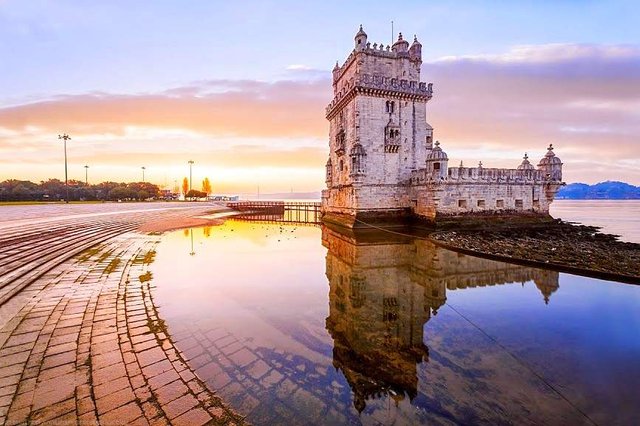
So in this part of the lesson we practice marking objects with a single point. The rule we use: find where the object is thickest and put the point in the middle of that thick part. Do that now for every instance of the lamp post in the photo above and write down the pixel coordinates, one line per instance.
(86, 174)
(143, 169)
(65, 137)
(190, 173)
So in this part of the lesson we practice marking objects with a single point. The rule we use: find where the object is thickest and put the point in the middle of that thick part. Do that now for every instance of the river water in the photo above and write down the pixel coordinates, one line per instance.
(308, 325)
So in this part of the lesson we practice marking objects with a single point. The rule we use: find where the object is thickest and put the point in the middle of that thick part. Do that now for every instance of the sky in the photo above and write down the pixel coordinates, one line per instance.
(240, 87)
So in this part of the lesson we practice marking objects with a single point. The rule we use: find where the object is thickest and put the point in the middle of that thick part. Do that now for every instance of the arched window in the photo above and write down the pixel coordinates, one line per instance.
(329, 171)
(357, 155)
(340, 142)
(390, 106)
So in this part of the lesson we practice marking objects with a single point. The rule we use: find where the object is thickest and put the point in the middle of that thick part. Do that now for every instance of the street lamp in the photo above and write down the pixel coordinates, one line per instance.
(143, 169)
(86, 174)
(190, 174)
(65, 137)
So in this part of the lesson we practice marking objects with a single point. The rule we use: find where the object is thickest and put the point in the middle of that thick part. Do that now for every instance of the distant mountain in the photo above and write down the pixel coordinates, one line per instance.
(609, 190)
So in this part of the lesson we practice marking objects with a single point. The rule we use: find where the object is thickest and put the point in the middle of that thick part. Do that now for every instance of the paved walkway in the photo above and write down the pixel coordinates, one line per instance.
(82, 342)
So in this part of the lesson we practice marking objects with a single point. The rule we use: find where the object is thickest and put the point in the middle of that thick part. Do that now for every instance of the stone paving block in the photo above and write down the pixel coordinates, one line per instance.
(62, 339)
(17, 417)
(17, 358)
(53, 349)
(151, 343)
(8, 390)
(157, 368)
(162, 379)
(53, 410)
(6, 371)
(9, 381)
(53, 391)
(111, 386)
(152, 411)
(114, 400)
(258, 369)
(171, 391)
(65, 420)
(243, 357)
(179, 406)
(122, 415)
(194, 417)
(104, 347)
(20, 339)
(106, 359)
(23, 400)
(59, 359)
(106, 374)
(88, 419)
(85, 405)
(66, 330)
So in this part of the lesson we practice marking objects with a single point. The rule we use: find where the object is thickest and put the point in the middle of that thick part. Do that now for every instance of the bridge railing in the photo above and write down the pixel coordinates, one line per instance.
(278, 211)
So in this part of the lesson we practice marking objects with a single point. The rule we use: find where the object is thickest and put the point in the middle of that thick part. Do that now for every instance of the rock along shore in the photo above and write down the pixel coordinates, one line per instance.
(563, 246)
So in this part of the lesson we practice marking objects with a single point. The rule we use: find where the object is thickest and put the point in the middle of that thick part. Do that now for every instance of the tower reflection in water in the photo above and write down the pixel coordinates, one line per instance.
(383, 289)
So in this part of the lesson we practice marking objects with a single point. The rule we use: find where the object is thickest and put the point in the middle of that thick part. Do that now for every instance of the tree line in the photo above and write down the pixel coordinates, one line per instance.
(55, 190)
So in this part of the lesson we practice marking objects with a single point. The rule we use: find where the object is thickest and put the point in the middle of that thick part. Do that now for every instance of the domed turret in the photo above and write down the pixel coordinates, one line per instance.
(415, 51)
(361, 39)
(526, 165)
(437, 162)
(401, 45)
(551, 165)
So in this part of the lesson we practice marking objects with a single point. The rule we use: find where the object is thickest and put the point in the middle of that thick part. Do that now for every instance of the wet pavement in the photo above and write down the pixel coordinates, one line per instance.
(80, 338)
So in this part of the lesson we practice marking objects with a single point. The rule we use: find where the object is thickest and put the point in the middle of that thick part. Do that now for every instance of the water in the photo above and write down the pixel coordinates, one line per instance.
(618, 217)
(306, 325)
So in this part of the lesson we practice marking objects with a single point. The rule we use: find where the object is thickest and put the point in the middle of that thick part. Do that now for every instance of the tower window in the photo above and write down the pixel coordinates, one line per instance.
(436, 166)
(462, 204)
(390, 106)
(519, 204)
(481, 203)
(500, 204)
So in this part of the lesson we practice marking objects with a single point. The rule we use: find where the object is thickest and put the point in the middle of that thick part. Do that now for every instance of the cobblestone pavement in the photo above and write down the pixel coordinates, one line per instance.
(82, 343)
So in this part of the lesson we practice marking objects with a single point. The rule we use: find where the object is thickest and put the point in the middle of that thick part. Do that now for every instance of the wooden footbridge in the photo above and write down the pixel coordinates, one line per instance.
(293, 212)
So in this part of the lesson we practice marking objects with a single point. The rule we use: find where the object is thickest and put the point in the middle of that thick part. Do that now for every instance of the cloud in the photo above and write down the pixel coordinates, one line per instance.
(217, 107)
(583, 98)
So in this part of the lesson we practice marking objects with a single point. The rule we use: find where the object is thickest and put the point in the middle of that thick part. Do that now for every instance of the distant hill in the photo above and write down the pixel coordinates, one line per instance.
(609, 190)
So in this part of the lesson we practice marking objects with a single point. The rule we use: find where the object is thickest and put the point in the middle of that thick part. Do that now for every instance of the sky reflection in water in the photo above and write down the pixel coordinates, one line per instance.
(306, 325)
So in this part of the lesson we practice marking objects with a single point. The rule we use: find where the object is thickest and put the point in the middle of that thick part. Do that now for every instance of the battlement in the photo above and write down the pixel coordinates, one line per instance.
(380, 85)
(479, 175)
(375, 49)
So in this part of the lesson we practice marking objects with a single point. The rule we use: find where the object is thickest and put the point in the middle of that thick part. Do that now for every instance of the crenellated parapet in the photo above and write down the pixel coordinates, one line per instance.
(478, 175)
(381, 86)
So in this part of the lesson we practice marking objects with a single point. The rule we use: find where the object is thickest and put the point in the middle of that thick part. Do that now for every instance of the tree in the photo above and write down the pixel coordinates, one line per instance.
(206, 186)
(196, 194)
(185, 186)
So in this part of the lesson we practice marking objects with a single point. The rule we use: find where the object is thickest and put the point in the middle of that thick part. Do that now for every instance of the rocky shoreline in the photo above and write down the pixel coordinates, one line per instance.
(567, 247)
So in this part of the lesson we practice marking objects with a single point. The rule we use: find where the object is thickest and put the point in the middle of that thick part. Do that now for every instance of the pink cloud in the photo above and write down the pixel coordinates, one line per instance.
(583, 98)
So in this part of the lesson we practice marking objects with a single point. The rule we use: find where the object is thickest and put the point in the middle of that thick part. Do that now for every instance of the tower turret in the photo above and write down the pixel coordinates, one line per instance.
(526, 165)
(415, 51)
(401, 45)
(437, 163)
(361, 39)
(551, 165)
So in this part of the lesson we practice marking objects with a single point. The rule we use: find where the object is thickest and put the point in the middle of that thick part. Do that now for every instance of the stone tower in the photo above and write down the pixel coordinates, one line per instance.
(378, 130)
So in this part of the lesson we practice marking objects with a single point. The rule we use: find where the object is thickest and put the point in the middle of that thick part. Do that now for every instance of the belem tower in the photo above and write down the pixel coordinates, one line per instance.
(385, 167)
